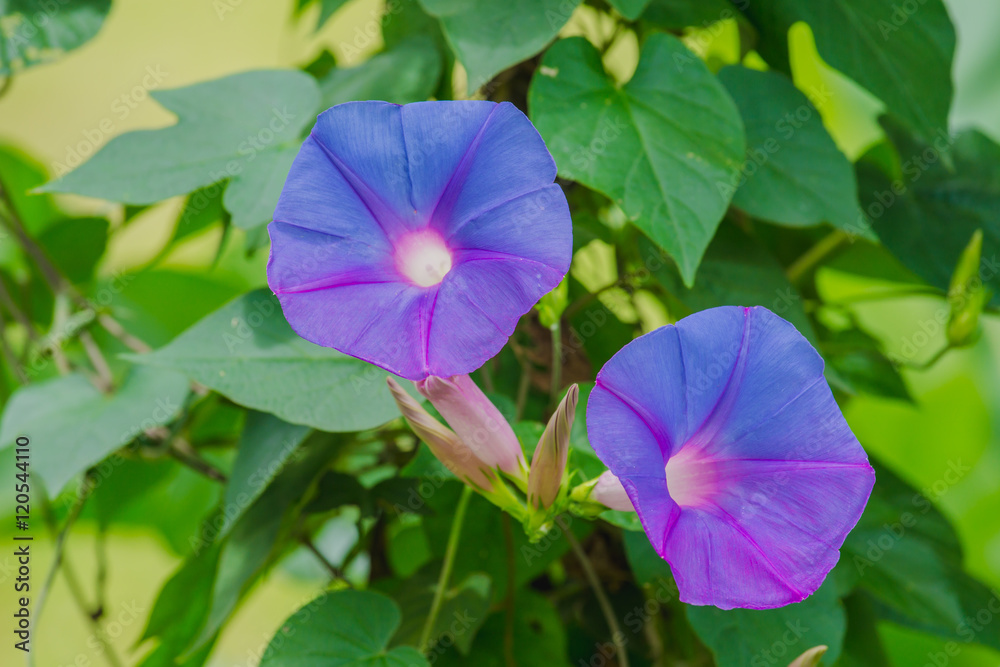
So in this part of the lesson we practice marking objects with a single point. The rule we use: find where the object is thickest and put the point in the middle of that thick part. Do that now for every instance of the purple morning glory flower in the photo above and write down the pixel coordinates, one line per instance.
(727, 439)
(414, 237)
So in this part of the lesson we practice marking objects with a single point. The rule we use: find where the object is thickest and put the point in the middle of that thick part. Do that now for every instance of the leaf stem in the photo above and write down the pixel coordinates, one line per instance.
(449, 561)
(602, 599)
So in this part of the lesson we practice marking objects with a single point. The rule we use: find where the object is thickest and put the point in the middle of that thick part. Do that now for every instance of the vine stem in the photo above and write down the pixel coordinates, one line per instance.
(617, 637)
(817, 253)
(557, 360)
(59, 561)
(449, 561)
(508, 626)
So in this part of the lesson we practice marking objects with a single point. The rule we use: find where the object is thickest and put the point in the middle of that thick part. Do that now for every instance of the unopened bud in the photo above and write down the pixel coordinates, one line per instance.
(442, 441)
(608, 491)
(967, 295)
(810, 658)
(548, 465)
(476, 421)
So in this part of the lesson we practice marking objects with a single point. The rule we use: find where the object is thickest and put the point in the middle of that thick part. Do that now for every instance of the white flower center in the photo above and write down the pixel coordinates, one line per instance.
(423, 257)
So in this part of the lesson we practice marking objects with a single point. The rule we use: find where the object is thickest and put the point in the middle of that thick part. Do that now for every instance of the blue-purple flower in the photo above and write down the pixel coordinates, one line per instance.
(730, 446)
(414, 237)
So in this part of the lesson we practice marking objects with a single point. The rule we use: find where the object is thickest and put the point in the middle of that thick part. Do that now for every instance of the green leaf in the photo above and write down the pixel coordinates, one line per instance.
(79, 425)
(202, 209)
(182, 603)
(266, 444)
(906, 555)
(901, 56)
(749, 637)
(40, 31)
(75, 246)
(487, 38)
(253, 194)
(235, 128)
(679, 14)
(327, 8)
(464, 607)
(647, 566)
(539, 638)
(630, 9)
(794, 174)
(862, 645)
(247, 352)
(930, 223)
(346, 628)
(860, 367)
(664, 147)
(409, 72)
(248, 548)
(736, 271)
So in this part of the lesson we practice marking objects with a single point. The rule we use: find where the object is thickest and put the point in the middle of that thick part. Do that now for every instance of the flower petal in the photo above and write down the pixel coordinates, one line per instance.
(764, 477)
(477, 307)
(469, 157)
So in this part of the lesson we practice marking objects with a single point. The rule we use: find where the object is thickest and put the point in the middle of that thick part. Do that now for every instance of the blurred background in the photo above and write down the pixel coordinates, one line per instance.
(97, 92)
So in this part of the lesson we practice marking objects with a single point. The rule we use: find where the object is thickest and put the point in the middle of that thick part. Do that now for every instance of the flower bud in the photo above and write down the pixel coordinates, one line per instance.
(967, 295)
(443, 443)
(548, 465)
(608, 491)
(810, 658)
(476, 421)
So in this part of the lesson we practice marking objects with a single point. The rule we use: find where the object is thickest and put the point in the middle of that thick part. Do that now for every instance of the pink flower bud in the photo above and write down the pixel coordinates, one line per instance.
(548, 465)
(444, 444)
(476, 421)
(609, 492)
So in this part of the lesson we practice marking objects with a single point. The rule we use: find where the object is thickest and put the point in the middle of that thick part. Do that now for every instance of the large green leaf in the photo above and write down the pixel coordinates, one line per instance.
(901, 52)
(751, 637)
(463, 610)
(927, 215)
(74, 425)
(679, 14)
(409, 72)
(630, 9)
(181, 605)
(252, 543)
(346, 628)
(665, 147)
(247, 352)
(736, 271)
(539, 639)
(794, 173)
(242, 128)
(265, 446)
(40, 31)
(490, 37)
(906, 555)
